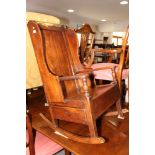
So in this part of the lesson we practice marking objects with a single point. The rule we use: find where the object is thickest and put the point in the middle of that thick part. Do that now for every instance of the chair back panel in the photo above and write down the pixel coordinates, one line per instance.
(56, 54)
(50, 46)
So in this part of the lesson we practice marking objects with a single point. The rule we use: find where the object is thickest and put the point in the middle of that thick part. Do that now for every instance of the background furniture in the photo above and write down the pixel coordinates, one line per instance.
(106, 55)
(71, 94)
(44, 145)
(86, 44)
(121, 72)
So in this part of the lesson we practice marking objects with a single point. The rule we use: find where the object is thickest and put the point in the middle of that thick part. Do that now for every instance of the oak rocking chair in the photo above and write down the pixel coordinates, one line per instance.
(70, 93)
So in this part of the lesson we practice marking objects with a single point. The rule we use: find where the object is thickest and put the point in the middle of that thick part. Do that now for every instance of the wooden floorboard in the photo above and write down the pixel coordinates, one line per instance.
(117, 137)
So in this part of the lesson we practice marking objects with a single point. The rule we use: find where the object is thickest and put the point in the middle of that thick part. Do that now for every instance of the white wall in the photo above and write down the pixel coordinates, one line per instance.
(100, 35)
(101, 30)
(107, 28)
(75, 24)
(113, 27)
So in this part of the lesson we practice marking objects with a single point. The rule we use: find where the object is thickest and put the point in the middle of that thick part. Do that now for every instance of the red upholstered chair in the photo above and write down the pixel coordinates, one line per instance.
(38, 144)
(121, 72)
(44, 146)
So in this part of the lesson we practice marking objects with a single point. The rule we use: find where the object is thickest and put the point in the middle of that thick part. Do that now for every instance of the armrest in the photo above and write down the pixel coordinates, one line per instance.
(73, 77)
(83, 77)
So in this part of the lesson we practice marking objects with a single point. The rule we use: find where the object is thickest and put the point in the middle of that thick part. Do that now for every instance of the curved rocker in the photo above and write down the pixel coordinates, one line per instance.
(68, 135)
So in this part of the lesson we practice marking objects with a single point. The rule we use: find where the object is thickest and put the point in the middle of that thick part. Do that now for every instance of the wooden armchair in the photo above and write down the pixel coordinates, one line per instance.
(70, 93)
(121, 69)
(86, 44)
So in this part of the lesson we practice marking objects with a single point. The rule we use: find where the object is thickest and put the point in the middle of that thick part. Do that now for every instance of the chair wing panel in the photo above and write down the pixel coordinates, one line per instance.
(52, 86)
(73, 45)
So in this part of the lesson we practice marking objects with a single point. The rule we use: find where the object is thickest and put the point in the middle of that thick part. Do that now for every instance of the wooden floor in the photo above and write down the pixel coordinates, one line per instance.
(116, 134)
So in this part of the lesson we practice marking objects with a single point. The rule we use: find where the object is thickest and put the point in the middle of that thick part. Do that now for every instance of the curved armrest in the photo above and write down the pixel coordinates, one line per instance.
(83, 77)
(74, 77)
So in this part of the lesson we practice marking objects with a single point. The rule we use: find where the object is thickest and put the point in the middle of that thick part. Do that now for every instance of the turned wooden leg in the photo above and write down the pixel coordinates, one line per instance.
(127, 90)
(31, 137)
(119, 109)
(67, 152)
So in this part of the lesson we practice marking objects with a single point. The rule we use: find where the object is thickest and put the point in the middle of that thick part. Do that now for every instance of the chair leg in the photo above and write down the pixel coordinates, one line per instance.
(127, 90)
(67, 152)
(119, 109)
(92, 122)
(123, 91)
(31, 137)
(93, 139)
